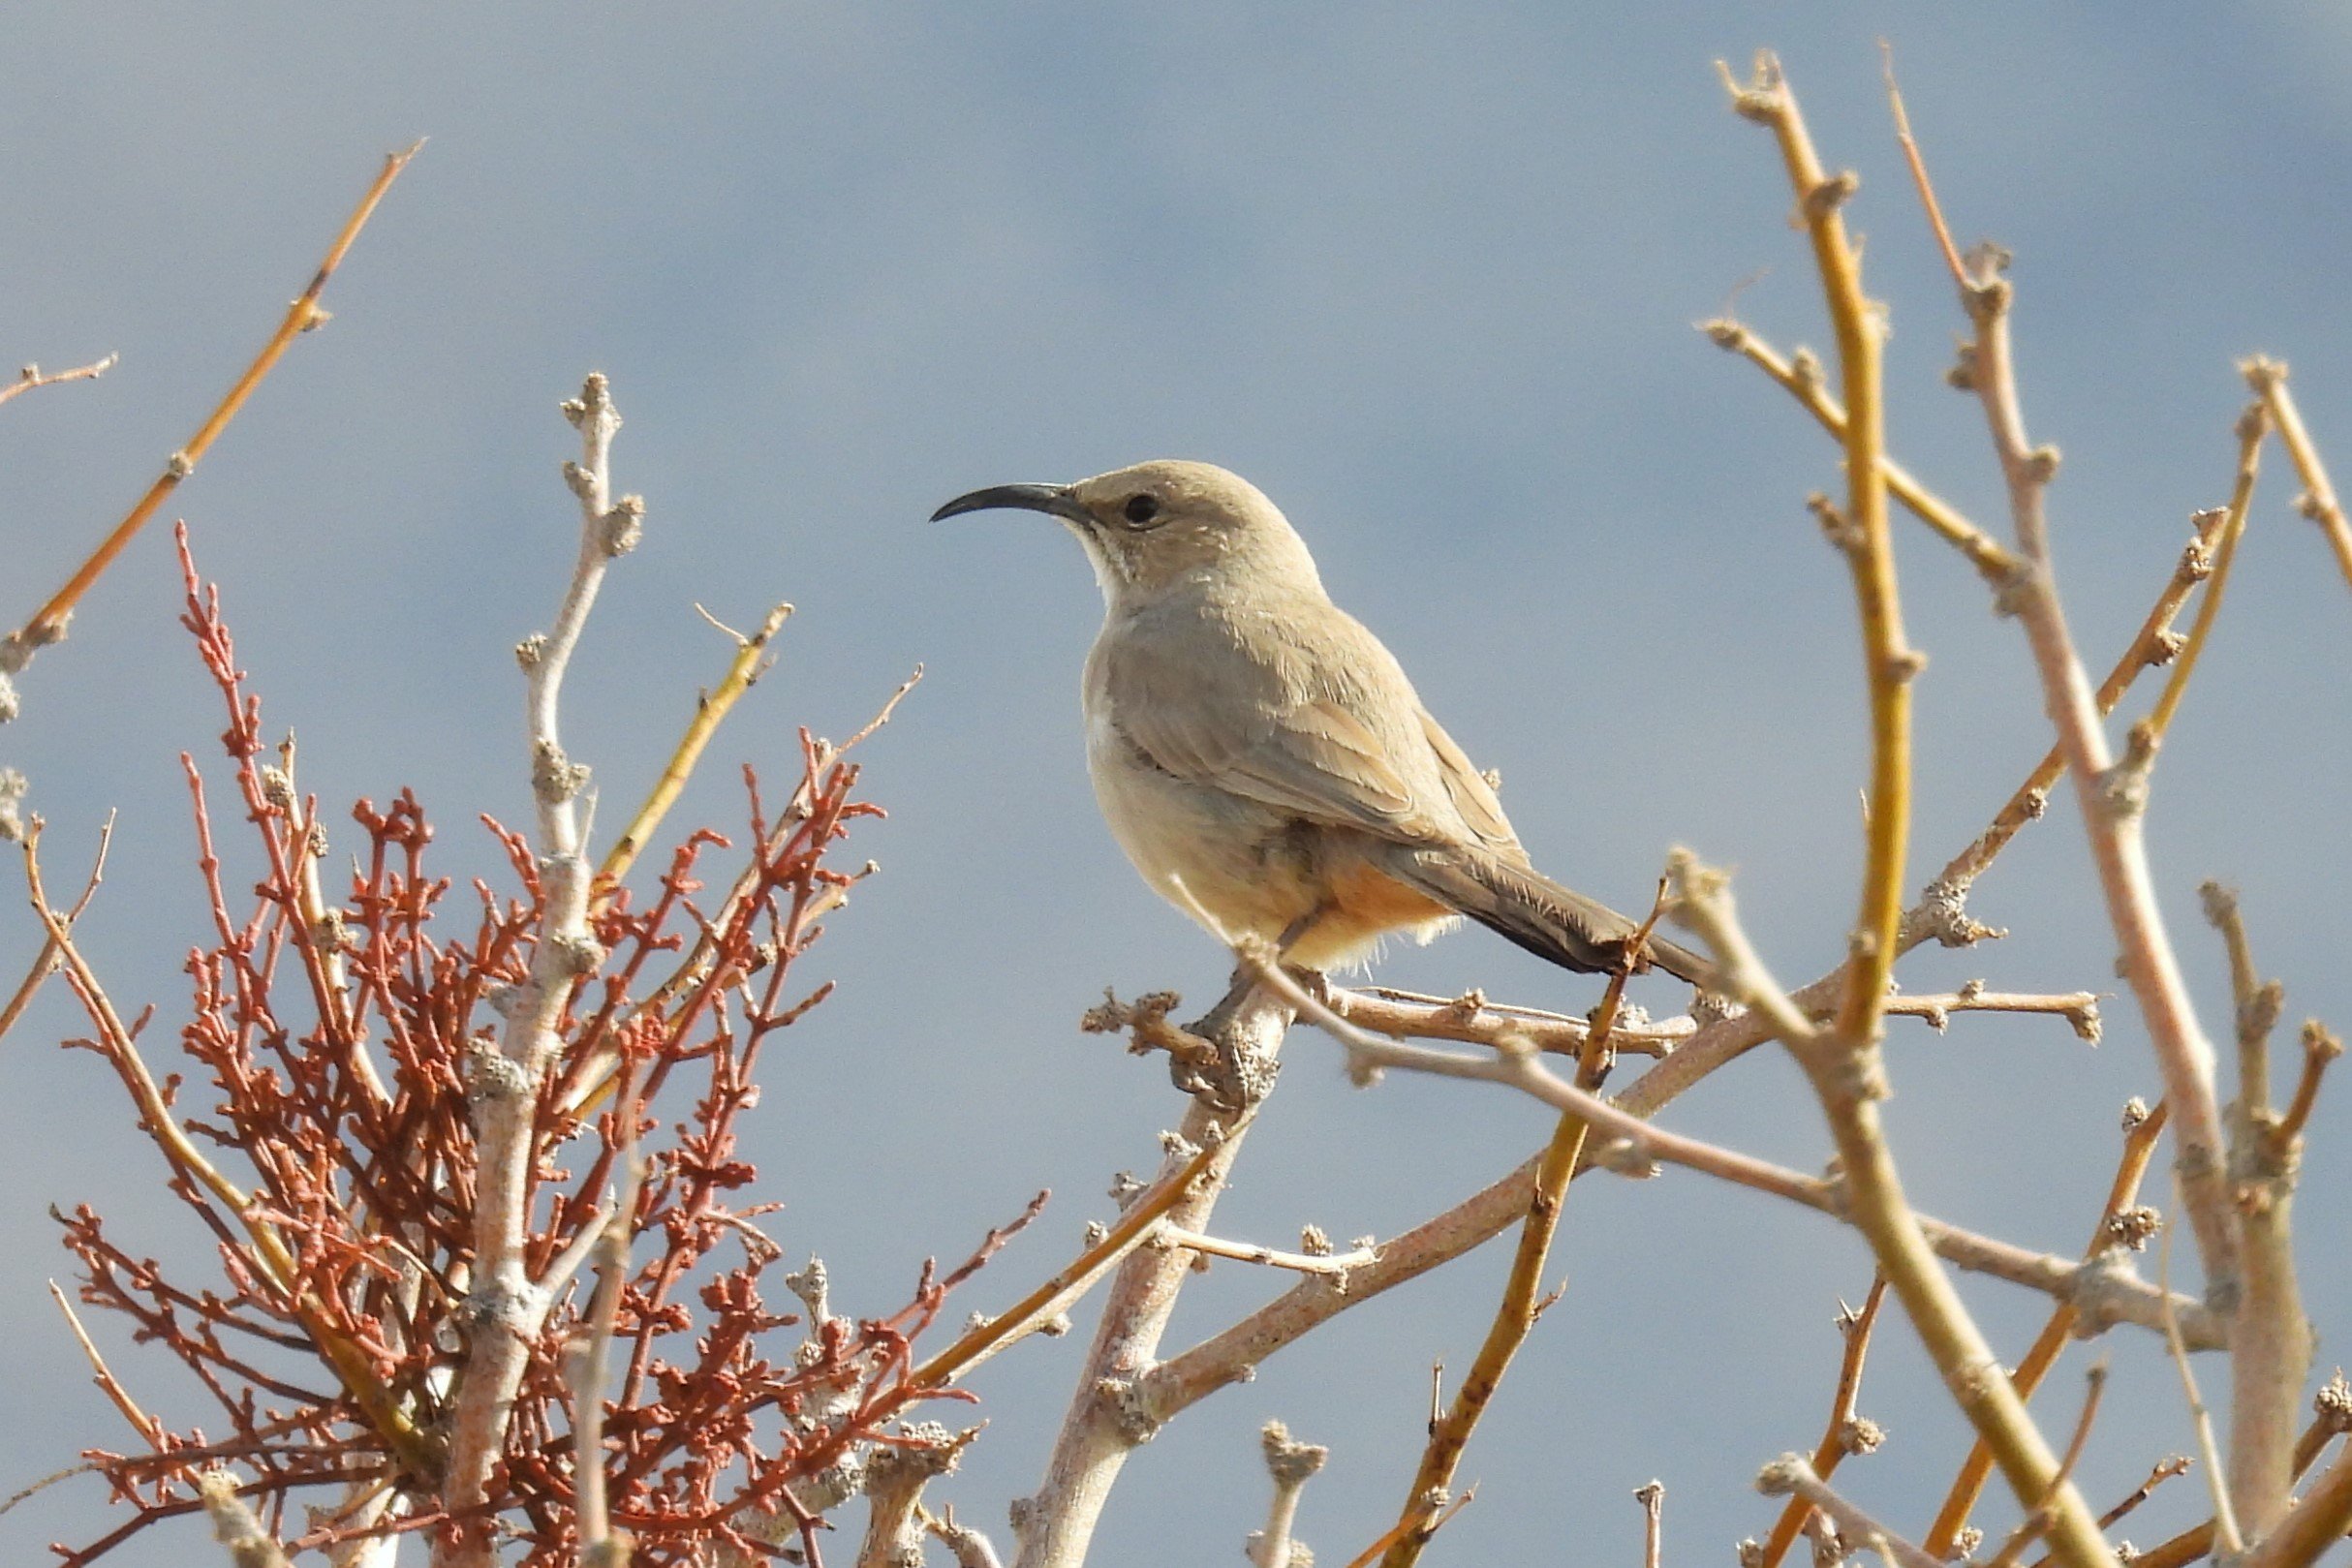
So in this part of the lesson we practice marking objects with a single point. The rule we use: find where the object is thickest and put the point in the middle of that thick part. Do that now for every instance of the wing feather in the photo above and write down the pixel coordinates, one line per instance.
(1298, 730)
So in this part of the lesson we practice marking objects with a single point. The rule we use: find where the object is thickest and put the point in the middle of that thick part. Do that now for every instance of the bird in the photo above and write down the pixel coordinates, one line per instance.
(1262, 757)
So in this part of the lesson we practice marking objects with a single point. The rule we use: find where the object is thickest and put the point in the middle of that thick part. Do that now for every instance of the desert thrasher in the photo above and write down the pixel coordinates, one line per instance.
(1260, 756)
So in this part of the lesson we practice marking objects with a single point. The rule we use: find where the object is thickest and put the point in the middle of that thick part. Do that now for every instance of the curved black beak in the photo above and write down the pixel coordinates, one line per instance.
(1054, 500)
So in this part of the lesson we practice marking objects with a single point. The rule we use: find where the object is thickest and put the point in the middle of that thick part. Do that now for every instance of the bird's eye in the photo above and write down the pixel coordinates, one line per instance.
(1141, 509)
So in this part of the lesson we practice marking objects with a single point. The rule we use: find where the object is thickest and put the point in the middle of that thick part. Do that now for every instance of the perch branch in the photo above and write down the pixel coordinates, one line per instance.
(1629, 1146)
(1474, 1020)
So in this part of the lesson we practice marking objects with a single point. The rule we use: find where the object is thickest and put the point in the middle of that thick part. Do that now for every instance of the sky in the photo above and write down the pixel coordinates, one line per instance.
(1428, 276)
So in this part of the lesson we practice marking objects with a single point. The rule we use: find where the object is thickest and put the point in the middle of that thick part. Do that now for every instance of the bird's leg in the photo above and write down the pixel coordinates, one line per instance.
(1245, 1065)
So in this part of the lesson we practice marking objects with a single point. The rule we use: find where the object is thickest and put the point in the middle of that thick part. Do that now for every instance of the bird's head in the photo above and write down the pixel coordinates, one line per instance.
(1152, 526)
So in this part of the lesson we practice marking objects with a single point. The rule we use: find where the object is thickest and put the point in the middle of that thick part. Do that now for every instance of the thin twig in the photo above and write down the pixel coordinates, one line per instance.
(1800, 375)
(1136, 1226)
(2269, 379)
(2112, 796)
(1918, 166)
(32, 375)
(749, 664)
(1516, 1314)
(48, 623)
(1792, 1476)
(1652, 1495)
(2320, 1047)
(146, 1424)
(2114, 1228)
(1317, 1263)
(2038, 1520)
(2250, 427)
(1847, 1433)
(2163, 1470)
(2225, 1522)
(47, 963)
(2155, 643)
(1290, 1463)
(2332, 1418)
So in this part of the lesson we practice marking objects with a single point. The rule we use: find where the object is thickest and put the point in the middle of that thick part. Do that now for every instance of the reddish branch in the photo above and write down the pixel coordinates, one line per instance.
(319, 1133)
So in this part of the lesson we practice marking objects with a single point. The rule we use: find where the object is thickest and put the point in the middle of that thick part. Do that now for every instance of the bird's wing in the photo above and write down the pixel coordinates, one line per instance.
(1474, 799)
(1305, 736)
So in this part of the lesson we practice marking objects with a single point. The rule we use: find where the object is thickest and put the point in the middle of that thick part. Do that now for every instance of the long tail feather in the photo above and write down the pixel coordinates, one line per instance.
(1526, 908)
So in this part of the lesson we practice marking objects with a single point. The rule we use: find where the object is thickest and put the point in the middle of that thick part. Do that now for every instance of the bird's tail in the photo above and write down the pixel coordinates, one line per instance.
(1551, 921)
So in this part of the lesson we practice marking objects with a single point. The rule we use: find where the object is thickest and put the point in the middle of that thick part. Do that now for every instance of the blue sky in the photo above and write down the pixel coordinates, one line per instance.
(1428, 276)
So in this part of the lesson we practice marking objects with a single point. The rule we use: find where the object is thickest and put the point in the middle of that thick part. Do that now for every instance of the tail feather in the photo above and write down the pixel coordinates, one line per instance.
(1526, 908)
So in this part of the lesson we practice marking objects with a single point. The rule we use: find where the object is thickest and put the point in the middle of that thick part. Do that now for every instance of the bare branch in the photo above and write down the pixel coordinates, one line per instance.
(750, 661)
(1339, 1264)
(33, 376)
(1292, 1464)
(506, 1306)
(1108, 1415)
(2270, 1341)
(1847, 1432)
(2039, 1519)
(1790, 1475)
(2112, 795)
(2120, 1224)
(2269, 379)
(48, 623)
